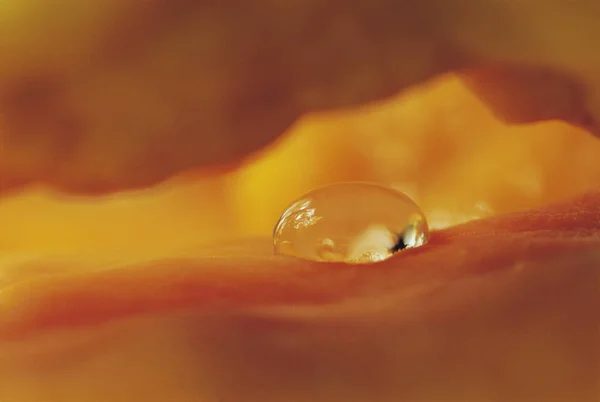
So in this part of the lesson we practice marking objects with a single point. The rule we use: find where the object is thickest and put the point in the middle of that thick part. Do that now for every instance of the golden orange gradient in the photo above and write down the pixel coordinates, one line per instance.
(437, 143)
(171, 292)
(151, 295)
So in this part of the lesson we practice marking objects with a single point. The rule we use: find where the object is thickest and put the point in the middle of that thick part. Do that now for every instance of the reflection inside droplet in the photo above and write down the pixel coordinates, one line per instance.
(350, 222)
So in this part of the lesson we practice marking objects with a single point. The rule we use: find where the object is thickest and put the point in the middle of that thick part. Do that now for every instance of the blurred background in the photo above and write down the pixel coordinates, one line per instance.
(437, 143)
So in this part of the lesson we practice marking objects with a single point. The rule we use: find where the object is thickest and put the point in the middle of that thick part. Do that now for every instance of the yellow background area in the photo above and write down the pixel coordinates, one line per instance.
(436, 143)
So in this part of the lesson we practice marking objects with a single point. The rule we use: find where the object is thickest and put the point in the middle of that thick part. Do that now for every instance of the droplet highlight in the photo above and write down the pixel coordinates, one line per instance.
(355, 223)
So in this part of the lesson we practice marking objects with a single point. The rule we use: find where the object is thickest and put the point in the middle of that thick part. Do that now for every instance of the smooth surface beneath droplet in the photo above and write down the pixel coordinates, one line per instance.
(350, 222)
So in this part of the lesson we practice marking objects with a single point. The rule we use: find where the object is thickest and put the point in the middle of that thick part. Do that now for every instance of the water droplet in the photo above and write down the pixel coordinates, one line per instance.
(350, 222)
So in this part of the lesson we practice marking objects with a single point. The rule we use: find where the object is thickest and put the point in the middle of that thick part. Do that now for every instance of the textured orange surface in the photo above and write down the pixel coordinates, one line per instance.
(246, 275)
(171, 292)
